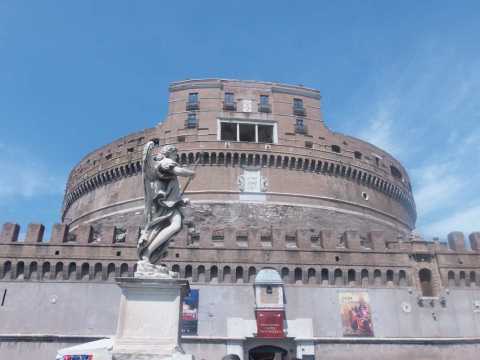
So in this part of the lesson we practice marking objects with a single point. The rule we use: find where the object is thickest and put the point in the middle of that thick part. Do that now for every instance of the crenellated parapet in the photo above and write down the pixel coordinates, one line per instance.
(323, 257)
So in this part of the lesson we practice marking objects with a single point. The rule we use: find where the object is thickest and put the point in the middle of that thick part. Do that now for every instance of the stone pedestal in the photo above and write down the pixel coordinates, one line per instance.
(149, 319)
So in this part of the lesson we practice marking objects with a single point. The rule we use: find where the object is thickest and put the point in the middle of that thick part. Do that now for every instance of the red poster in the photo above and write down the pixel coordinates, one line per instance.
(270, 323)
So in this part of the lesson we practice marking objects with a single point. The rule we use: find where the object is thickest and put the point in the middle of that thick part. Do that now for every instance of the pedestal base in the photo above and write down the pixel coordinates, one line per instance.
(149, 319)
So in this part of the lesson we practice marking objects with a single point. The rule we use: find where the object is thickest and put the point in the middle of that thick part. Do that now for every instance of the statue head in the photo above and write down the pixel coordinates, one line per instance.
(169, 151)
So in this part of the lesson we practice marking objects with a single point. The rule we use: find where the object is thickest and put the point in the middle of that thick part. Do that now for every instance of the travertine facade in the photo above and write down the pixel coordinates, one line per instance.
(274, 187)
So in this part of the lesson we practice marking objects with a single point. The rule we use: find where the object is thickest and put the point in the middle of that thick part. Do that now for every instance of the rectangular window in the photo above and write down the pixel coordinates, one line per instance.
(229, 98)
(247, 132)
(191, 120)
(193, 98)
(298, 108)
(264, 105)
(192, 103)
(228, 132)
(298, 103)
(300, 127)
(265, 134)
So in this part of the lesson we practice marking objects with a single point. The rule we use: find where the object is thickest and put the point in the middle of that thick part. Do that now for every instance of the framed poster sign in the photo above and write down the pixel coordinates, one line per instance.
(356, 314)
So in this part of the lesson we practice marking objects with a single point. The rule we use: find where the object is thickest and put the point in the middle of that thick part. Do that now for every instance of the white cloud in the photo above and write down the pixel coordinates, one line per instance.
(467, 221)
(24, 175)
(380, 130)
(437, 185)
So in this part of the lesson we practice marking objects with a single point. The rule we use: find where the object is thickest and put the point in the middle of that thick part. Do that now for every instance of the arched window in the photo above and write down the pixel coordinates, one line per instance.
(124, 270)
(389, 277)
(201, 273)
(176, 268)
(239, 274)
(311, 276)
(364, 276)
(395, 172)
(251, 274)
(72, 271)
(111, 271)
(214, 274)
(20, 270)
(451, 279)
(336, 148)
(227, 274)
(59, 270)
(473, 278)
(85, 271)
(285, 275)
(324, 277)
(188, 272)
(298, 275)
(425, 276)
(97, 271)
(46, 270)
(33, 273)
(377, 277)
(402, 278)
(351, 277)
(338, 277)
(462, 278)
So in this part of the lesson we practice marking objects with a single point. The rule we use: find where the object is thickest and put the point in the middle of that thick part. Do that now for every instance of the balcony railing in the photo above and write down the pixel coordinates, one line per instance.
(230, 105)
(194, 105)
(266, 108)
(299, 110)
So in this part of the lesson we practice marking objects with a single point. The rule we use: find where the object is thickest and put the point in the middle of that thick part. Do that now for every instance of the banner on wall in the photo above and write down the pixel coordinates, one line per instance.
(270, 323)
(190, 313)
(356, 314)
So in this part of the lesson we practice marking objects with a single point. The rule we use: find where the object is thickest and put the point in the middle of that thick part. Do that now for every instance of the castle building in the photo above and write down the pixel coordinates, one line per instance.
(297, 244)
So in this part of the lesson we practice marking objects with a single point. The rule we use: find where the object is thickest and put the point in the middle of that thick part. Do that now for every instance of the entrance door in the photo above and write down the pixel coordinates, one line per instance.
(267, 353)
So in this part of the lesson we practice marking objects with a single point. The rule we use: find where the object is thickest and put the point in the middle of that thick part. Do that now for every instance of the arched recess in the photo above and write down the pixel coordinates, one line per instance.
(201, 273)
(239, 274)
(59, 271)
(298, 275)
(214, 274)
(252, 272)
(46, 270)
(98, 271)
(227, 274)
(311, 276)
(425, 277)
(364, 277)
(324, 277)
(111, 271)
(85, 271)
(338, 277)
(72, 271)
(451, 279)
(20, 270)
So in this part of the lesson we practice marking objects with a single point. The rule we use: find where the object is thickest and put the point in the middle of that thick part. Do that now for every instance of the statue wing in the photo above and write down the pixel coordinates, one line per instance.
(148, 179)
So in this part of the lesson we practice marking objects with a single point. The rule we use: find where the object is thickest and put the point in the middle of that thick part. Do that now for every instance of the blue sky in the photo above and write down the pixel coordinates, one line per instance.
(402, 75)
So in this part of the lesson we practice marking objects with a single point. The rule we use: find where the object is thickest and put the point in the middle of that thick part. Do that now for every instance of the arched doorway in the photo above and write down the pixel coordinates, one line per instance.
(267, 352)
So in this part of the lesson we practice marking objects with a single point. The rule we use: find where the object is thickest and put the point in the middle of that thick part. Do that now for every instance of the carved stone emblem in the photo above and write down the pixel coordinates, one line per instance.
(252, 181)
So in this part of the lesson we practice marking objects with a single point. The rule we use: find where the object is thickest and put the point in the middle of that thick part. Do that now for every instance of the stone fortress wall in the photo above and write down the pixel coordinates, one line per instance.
(347, 260)
(331, 213)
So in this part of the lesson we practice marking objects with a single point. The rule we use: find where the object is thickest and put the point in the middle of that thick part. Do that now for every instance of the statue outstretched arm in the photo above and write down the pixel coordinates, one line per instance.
(181, 171)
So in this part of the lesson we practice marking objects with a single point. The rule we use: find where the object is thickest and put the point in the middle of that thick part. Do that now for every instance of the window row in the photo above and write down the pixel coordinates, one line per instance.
(462, 279)
(61, 271)
(296, 275)
(229, 103)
